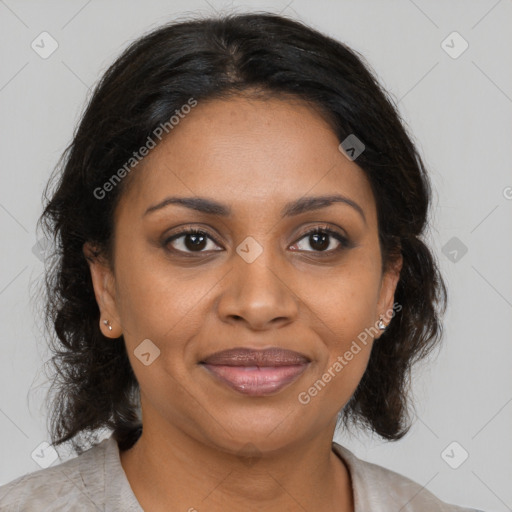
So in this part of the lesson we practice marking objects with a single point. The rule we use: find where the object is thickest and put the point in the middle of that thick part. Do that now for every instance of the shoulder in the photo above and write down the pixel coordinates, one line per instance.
(80, 480)
(379, 489)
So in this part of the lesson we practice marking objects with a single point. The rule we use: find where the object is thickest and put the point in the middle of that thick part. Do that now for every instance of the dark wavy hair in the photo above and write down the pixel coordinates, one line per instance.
(93, 384)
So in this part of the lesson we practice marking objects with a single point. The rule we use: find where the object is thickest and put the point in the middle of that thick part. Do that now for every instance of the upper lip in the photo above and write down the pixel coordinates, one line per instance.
(274, 356)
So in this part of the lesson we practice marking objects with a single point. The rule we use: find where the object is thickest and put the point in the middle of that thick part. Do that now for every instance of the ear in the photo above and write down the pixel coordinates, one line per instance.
(104, 290)
(387, 291)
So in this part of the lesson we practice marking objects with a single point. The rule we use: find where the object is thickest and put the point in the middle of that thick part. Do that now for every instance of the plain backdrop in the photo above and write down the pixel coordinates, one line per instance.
(457, 102)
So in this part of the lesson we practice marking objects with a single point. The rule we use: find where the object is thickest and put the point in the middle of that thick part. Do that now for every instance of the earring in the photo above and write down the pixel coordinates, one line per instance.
(106, 322)
(382, 325)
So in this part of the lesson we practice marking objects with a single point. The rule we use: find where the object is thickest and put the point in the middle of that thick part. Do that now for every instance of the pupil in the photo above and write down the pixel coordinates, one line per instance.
(197, 243)
(323, 244)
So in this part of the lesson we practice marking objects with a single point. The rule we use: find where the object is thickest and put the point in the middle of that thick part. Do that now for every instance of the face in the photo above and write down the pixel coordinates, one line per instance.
(256, 276)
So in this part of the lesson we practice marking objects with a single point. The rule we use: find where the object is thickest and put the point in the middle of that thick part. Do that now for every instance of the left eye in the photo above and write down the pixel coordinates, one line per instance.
(322, 240)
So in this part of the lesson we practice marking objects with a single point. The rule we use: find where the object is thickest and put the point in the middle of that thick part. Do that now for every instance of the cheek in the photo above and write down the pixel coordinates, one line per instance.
(345, 299)
(338, 371)
(157, 301)
(345, 316)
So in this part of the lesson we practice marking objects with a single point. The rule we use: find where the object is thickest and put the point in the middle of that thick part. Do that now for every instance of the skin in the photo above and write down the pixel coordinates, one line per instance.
(254, 156)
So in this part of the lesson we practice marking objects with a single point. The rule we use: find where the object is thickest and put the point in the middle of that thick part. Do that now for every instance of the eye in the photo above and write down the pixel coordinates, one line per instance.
(322, 239)
(190, 241)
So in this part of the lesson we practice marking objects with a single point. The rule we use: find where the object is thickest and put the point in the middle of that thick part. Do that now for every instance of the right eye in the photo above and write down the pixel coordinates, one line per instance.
(190, 241)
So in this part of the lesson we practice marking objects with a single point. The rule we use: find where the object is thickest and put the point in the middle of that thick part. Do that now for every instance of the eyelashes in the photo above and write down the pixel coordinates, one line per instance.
(193, 241)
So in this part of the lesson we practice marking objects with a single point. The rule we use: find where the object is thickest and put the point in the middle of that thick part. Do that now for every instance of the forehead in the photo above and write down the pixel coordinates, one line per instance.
(248, 153)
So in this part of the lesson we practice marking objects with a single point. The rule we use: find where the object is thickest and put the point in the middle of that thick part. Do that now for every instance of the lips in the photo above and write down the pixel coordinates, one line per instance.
(248, 357)
(256, 372)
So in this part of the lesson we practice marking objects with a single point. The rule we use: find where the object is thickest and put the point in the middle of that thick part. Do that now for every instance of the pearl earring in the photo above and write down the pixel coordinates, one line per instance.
(382, 325)
(106, 322)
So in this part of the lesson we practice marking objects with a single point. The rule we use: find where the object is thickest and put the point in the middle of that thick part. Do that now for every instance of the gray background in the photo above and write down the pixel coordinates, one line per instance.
(459, 110)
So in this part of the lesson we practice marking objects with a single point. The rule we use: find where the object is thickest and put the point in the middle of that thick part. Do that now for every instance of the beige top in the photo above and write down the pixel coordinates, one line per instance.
(95, 481)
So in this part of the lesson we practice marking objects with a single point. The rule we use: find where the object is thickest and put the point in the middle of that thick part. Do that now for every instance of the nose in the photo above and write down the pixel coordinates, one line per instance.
(259, 294)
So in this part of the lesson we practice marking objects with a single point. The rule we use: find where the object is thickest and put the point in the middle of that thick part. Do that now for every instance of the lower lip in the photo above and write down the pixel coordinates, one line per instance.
(257, 381)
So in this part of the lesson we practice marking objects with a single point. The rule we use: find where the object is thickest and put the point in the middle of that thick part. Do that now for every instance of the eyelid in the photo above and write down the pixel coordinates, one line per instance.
(322, 227)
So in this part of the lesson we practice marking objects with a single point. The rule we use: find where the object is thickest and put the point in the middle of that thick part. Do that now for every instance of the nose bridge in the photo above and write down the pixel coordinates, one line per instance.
(258, 291)
(261, 275)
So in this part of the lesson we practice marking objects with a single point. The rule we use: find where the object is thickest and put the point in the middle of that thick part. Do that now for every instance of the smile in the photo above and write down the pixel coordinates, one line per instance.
(256, 380)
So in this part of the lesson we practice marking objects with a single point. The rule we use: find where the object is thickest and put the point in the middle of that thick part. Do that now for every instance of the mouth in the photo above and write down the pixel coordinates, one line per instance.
(256, 372)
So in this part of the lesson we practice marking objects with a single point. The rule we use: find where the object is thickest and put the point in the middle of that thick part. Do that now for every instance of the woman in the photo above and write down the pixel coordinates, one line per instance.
(240, 269)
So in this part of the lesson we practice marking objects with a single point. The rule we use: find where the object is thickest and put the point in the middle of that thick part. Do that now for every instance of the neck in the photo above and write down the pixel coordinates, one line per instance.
(174, 471)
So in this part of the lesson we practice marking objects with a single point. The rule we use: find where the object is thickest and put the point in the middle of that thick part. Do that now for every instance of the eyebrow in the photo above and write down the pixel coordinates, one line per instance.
(302, 205)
